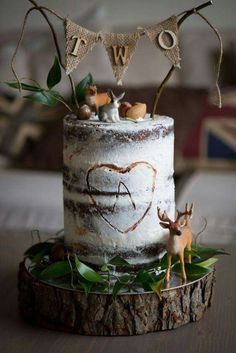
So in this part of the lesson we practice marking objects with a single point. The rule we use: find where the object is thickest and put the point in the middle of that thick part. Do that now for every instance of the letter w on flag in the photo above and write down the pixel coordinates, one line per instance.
(120, 49)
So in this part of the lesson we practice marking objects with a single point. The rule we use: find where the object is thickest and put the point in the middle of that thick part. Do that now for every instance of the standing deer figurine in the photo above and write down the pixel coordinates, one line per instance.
(180, 237)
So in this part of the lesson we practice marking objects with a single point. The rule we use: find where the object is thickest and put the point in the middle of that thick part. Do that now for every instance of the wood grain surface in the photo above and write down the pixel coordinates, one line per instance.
(214, 333)
(98, 314)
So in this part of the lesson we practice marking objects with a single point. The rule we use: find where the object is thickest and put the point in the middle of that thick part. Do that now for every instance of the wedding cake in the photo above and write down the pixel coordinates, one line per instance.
(115, 177)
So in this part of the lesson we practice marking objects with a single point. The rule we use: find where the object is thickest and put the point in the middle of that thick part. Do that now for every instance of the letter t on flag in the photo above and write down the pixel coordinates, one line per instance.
(120, 49)
(79, 41)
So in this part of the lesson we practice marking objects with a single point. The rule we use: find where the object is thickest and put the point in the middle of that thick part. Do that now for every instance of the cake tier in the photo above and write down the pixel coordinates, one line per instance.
(115, 177)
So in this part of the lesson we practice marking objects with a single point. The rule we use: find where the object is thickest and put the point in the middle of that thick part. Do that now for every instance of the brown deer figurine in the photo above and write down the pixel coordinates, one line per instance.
(180, 237)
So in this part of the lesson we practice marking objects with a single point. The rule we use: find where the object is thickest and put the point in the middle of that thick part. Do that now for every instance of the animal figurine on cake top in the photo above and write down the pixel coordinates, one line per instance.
(94, 99)
(135, 112)
(180, 237)
(110, 112)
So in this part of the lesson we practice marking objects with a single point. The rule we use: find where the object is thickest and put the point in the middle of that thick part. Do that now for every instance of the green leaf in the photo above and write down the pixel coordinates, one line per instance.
(205, 253)
(48, 98)
(35, 249)
(156, 286)
(64, 281)
(193, 253)
(54, 75)
(24, 86)
(120, 283)
(36, 271)
(105, 268)
(55, 270)
(118, 261)
(117, 287)
(208, 263)
(163, 262)
(193, 271)
(81, 86)
(143, 277)
(86, 285)
(87, 272)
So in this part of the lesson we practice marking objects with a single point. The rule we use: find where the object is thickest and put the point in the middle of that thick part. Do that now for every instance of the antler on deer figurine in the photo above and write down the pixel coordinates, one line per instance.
(180, 237)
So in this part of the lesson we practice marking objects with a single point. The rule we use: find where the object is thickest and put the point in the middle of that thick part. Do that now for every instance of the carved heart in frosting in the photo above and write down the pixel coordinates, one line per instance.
(115, 191)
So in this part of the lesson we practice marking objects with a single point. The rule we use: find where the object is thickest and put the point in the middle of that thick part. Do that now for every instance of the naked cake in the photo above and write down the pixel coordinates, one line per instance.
(115, 177)
(99, 276)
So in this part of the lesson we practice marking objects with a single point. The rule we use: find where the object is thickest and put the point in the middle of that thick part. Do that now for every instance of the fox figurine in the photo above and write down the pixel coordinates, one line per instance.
(95, 100)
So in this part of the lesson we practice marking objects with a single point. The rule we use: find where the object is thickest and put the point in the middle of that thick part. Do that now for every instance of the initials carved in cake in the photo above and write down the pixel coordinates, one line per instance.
(115, 193)
(119, 192)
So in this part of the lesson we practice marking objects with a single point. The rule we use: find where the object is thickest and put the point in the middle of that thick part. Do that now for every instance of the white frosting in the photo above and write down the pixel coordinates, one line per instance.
(143, 169)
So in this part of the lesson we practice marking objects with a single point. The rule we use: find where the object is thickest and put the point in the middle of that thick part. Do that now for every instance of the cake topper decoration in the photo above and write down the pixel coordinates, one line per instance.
(110, 111)
(120, 49)
(95, 99)
(136, 112)
(79, 42)
(165, 36)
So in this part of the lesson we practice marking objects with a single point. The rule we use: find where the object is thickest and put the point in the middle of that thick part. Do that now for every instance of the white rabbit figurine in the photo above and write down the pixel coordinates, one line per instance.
(109, 113)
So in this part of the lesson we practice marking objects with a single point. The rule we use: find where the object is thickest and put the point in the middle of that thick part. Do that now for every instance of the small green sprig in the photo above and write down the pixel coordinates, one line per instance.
(49, 96)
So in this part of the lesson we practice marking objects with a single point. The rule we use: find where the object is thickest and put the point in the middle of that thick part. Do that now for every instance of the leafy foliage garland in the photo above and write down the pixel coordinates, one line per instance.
(71, 273)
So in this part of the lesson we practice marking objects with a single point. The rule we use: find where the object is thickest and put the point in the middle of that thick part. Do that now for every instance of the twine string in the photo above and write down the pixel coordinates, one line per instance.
(219, 61)
(38, 8)
(185, 15)
(51, 11)
(18, 47)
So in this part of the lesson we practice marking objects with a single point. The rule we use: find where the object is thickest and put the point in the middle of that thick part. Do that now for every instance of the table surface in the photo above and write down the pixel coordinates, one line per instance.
(214, 333)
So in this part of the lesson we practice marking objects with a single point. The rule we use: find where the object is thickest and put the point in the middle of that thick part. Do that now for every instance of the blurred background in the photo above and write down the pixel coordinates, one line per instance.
(205, 136)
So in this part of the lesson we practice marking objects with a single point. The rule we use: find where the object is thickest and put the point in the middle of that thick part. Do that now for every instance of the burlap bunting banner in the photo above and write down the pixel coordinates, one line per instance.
(79, 41)
(120, 49)
(165, 36)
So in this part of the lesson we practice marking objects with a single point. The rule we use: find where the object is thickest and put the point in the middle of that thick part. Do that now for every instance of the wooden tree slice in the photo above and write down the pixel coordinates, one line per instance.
(98, 314)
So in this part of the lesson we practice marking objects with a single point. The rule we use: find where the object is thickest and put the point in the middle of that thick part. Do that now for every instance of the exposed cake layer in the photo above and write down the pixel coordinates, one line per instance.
(115, 176)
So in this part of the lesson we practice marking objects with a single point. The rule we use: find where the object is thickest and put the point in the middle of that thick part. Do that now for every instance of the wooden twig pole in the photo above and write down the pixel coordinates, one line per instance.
(192, 11)
(57, 48)
(52, 30)
(186, 14)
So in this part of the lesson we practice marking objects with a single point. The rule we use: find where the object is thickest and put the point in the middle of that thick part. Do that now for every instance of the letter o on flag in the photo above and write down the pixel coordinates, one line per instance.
(171, 35)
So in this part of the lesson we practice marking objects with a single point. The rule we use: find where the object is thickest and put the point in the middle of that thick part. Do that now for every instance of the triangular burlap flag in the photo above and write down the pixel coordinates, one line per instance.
(165, 36)
(120, 49)
(79, 41)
